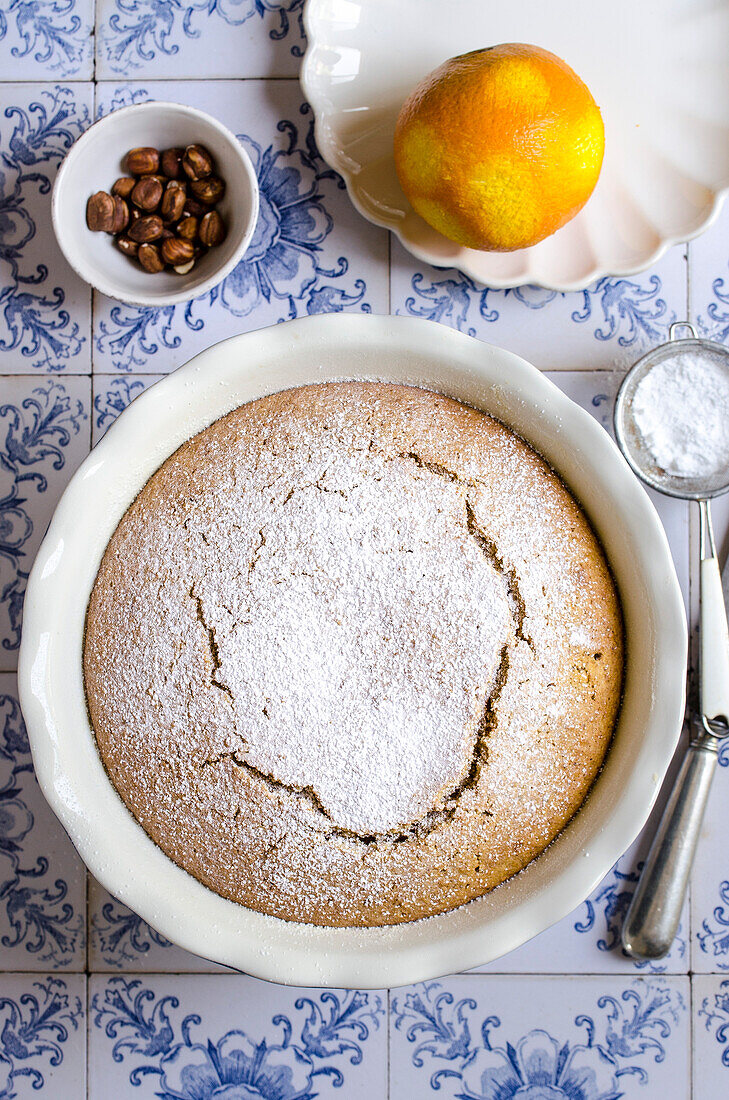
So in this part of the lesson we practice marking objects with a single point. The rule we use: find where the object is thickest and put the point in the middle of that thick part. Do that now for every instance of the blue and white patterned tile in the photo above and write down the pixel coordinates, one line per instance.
(609, 325)
(42, 880)
(710, 1046)
(47, 39)
(311, 252)
(44, 436)
(710, 880)
(588, 940)
(42, 1037)
(195, 1038)
(162, 39)
(112, 395)
(709, 280)
(596, 1038)
(45, 309)
(119, 940)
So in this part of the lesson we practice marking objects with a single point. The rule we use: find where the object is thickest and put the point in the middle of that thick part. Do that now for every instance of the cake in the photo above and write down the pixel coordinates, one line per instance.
(353, 655)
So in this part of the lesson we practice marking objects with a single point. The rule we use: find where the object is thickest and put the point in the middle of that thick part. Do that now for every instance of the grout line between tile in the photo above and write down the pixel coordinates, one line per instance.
(137, 79)
(232, 79)
(95, 57)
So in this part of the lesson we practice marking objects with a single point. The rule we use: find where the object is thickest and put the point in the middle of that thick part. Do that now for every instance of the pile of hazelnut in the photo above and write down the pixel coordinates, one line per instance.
(162, 213)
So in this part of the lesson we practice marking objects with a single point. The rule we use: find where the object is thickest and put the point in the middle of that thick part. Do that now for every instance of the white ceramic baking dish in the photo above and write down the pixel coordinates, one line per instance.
(115, 847)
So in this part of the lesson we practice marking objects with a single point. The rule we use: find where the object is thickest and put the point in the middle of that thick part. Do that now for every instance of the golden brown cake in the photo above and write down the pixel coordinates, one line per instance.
(353, 655)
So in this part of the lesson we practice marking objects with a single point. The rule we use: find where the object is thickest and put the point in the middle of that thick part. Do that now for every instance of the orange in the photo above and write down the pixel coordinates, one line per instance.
(499, 148)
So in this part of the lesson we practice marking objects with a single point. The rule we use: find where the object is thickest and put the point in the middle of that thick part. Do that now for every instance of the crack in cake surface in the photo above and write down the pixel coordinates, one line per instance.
(416, 829)
(350, 643)
(478, 755)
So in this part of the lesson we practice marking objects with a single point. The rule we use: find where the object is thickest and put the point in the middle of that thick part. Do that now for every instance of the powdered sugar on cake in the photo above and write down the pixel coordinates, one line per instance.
(353, 655)
(366, 640)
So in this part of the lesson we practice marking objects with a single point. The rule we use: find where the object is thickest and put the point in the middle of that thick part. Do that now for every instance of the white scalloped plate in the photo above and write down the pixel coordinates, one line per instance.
(316, 349)
(657, 69)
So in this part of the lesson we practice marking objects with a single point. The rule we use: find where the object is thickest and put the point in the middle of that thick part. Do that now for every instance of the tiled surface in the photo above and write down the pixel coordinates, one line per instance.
(45, 434)
(42, 880)
(44, 1036)
(604, 327)
(710, 1010)
(160, 39)
(45, 309)
(82, 980)
(541, 1038)
(233, 1037)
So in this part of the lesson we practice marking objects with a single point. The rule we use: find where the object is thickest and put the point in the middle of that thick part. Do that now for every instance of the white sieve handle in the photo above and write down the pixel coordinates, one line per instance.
(713, 632)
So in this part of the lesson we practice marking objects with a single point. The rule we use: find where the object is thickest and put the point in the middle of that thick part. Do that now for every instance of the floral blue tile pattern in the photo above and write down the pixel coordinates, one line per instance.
(112, 396)
(616, 308)
(121, 936)
(161, 38)
(83, 980)
(44, 308)
(46, 39)
(312, 1043)
(465, 1038)
(42, 1025)
(42, 887)
(617, 319)
(42, 440)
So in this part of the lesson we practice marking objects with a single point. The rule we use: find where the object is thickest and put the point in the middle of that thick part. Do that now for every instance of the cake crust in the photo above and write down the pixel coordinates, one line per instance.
(353, 655)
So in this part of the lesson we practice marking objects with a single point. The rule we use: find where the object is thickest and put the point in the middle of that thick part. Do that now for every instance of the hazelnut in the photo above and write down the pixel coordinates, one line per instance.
(209, 191)
(127, 246)
(187, 228)
(212, 229)
(121, 215)
(123, 187)
(150, 259)
(146, 229)
(197, 163)
(176, 251)
(142, 161)
(194, 209)
(173, 201)
(166, 197)
(147, 193)
(170, 162)
(100, 212)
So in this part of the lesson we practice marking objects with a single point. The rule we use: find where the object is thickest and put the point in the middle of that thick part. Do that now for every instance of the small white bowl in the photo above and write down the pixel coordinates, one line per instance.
(94, 162)
(318, 349)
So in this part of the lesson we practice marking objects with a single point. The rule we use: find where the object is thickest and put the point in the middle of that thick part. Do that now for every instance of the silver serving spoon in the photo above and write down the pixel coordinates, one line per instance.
(655, 910)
